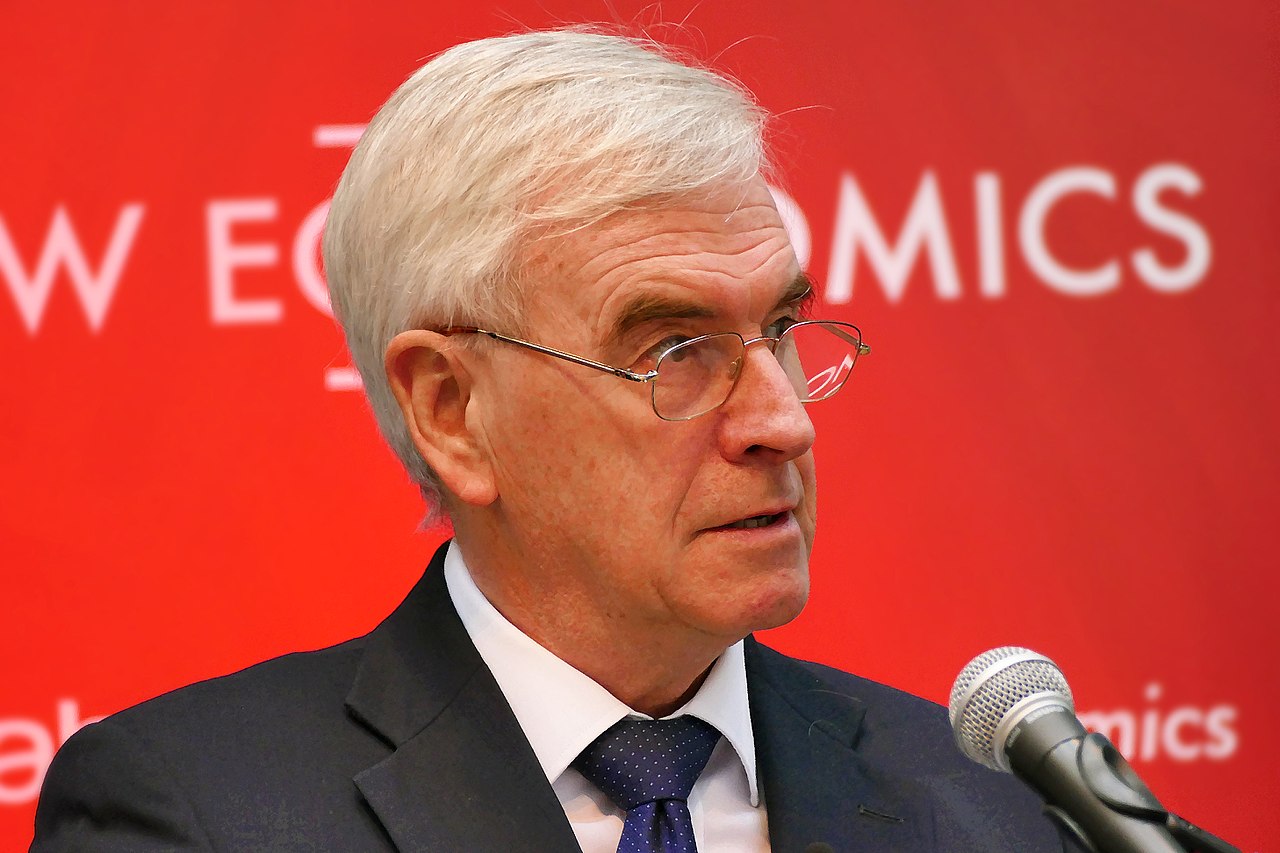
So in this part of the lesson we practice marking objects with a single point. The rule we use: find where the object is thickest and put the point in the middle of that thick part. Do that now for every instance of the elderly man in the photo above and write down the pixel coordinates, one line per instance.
(582, 328)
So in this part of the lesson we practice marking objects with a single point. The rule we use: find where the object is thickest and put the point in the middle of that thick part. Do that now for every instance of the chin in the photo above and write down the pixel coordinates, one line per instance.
(776, 604)
(784, 611)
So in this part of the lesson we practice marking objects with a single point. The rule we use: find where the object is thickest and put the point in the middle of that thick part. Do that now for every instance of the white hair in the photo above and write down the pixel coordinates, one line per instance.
(500, 142)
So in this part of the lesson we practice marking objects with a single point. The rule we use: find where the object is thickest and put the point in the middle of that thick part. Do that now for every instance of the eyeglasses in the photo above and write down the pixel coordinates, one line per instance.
(694, 377)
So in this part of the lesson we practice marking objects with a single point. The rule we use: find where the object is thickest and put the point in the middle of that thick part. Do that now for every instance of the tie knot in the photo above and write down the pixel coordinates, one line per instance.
(641, 761)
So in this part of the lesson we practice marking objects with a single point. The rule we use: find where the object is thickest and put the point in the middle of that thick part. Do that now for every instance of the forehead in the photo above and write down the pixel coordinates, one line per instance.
(725, 253)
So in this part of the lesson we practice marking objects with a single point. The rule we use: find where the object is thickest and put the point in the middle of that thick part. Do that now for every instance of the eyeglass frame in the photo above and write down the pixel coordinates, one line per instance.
(861, 349)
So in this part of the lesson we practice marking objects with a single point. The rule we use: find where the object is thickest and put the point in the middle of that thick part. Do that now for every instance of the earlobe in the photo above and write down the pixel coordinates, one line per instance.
(435, 391)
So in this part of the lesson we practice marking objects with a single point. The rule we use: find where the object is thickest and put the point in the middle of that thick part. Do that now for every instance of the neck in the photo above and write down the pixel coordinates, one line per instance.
(650, 665)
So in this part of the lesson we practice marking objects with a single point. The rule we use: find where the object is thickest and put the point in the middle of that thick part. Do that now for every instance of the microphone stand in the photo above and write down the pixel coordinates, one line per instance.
(1110, 778)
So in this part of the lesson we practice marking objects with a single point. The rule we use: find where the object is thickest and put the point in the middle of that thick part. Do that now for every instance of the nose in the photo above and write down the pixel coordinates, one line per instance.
(763, 419)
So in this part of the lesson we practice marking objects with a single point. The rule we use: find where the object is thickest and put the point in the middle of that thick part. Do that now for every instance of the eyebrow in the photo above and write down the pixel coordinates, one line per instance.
(647, 307)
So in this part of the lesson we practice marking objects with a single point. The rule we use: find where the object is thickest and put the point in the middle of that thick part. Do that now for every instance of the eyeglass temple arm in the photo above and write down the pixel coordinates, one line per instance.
(576, 359)
(853, 340)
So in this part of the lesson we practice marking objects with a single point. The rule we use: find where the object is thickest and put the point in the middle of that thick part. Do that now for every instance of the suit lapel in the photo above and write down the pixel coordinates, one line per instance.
(817, 788)
(462, 775)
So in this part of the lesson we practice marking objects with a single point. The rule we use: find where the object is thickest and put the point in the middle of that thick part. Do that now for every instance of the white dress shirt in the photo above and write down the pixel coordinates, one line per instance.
(562, 711)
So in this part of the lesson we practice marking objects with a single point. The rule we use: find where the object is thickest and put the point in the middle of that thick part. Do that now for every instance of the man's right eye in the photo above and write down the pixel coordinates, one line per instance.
(662, 347)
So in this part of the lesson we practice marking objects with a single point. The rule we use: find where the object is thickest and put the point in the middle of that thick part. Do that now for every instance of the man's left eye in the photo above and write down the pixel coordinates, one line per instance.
(778, 326)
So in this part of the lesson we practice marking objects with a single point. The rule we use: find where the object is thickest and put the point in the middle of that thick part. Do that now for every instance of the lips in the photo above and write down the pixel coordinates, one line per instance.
(755, 522)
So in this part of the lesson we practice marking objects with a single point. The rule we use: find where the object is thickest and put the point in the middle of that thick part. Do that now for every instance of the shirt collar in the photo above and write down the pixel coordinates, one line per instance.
(560, 709)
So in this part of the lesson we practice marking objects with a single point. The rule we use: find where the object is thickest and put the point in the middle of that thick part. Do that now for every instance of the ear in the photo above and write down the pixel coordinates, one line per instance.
(434, 389)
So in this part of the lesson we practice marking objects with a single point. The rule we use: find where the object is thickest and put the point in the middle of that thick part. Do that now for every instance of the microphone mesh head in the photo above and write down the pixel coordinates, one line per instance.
(987, 690)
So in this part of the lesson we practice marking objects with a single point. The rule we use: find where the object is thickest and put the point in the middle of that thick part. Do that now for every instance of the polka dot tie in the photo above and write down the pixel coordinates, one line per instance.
(648, 767)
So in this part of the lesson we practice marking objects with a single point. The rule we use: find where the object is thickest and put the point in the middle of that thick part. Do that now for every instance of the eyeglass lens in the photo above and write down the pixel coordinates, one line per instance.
(697, 376)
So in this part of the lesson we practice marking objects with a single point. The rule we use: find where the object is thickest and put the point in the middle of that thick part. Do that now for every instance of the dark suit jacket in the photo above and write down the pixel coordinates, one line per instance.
(402, 740)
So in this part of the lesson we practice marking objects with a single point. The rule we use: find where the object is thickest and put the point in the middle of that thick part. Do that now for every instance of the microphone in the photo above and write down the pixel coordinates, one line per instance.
(1011, 710)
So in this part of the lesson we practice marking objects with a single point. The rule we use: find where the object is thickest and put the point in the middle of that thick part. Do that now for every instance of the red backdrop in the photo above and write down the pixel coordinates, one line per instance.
(1056, 226)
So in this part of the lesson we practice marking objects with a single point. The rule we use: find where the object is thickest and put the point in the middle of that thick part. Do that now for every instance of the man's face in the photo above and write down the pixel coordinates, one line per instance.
(620, 515)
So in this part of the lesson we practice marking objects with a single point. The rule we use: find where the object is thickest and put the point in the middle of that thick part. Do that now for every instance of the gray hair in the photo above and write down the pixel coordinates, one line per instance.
(494, 144)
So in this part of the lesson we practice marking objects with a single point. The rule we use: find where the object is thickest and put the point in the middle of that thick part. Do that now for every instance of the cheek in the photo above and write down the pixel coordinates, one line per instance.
(808, 514)
(644, 475)
(569, 451)
(526, 440)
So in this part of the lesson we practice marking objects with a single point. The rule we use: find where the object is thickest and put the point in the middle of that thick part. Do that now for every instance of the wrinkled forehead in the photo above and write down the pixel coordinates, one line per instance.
(724, 253)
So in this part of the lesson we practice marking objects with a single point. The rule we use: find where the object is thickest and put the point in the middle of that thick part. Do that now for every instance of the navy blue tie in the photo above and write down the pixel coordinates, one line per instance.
(648, 767)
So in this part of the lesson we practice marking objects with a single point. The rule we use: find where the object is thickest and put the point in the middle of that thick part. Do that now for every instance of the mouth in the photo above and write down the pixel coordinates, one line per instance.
(756, 521)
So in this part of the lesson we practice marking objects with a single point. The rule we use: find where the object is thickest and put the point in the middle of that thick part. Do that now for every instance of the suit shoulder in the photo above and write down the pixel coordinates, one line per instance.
(264, 753)
(286, 688)
(907, 742)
